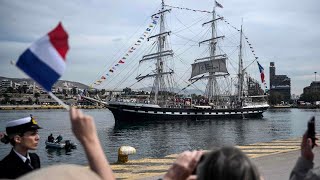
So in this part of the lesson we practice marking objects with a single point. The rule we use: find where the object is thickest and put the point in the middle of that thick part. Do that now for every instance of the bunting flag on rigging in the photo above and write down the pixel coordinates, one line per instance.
(219, 5)
(130, 51)
(44, 60)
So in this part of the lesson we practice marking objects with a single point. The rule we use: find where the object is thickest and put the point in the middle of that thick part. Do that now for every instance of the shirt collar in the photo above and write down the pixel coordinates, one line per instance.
(22, 157)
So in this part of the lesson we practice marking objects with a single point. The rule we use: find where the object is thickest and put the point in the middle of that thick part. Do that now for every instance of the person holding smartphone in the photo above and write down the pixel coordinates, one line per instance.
(223, 163)
(304, 166)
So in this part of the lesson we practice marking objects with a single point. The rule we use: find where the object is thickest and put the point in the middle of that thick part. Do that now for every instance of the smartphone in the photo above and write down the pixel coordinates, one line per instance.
(311, 132)
(199, 162)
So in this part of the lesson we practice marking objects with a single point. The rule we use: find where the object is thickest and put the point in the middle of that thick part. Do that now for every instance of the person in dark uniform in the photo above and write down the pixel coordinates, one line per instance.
(59, 138)
(50, 138)
(23, 135)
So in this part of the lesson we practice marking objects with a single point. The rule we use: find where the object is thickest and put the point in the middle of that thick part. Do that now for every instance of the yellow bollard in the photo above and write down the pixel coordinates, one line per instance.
(124, 152)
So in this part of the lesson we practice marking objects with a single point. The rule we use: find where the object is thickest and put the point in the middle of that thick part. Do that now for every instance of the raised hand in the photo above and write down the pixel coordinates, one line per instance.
(306, 148)
(84, 129)
(83, 126)
(2, 135)
(183, 167)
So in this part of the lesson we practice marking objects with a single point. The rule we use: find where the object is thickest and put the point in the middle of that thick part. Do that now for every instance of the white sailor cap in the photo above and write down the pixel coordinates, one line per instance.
(21, 125)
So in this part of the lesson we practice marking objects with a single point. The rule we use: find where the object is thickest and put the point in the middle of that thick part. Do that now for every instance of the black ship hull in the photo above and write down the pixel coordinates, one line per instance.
(134, 114)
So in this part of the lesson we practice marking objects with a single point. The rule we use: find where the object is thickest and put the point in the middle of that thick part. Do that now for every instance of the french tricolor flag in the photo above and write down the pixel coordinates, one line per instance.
(45, 60)
(261, 69)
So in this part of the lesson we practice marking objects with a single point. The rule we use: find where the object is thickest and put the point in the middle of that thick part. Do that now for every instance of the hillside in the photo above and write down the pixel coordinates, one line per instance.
(57, 84)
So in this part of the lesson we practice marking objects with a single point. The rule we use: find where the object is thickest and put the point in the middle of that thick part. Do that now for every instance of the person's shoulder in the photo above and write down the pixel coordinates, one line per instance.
(33, 155)
(35, 160)
(4, 162)
(8, 157)
(8, 160)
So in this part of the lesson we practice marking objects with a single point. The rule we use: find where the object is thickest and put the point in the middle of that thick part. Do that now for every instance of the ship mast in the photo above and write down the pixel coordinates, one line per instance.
(212, 88)
(159, 65)
(159, 84)
(240, 71)
(213, 62)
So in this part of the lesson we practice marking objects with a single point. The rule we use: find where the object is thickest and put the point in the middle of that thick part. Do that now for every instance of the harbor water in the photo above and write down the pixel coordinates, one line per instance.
(158, 139)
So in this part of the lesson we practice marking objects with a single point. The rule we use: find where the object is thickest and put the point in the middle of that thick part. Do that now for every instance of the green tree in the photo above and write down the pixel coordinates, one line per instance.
(127, 91)
(24, 89)
(275, 98)
(103, 91)
(36, 95)
(9, 90)
(3, 101)
(13, 102)
(64, 92)
(30, 101)
(310, 97)
(6, 100)
(74, 91)
(6, 95)
(37, 101)
(20, 90)
(93, 92)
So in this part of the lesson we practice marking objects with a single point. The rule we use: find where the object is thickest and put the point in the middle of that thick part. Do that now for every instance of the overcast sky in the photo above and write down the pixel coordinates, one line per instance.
(286, 32)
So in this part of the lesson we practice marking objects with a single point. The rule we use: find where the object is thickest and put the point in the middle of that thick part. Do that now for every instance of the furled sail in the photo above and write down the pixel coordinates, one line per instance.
(216, 65)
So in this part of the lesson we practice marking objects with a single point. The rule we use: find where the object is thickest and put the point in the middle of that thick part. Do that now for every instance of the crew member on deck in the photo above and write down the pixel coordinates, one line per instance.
(50, 138)
(59, 138)
(23, 136)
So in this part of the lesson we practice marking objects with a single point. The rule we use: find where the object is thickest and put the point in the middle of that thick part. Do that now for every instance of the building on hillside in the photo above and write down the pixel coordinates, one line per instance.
(25, 84)
(5, 83)
(254, 87)
(16, 85)
(54, 90)
(313, 88)
(280, 84)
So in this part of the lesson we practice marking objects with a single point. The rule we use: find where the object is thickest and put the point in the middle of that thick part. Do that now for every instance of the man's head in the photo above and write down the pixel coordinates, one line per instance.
(23, 132)
(227, 163)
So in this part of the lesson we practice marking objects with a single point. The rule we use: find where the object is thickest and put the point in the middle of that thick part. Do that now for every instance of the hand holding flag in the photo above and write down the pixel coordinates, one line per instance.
(44, 60)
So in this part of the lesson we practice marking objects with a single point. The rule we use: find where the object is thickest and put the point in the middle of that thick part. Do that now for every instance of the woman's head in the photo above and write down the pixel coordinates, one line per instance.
(227, 163)
(27, 140)
(23, 133)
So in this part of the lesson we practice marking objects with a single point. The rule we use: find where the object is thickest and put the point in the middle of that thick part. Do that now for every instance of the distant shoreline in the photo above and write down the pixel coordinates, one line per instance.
(293, 106)
(35, 107)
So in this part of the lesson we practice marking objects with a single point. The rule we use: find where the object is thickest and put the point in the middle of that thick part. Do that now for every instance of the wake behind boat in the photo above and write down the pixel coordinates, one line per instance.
(219, 99)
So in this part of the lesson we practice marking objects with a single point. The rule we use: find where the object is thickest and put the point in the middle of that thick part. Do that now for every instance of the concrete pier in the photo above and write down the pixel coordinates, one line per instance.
(275, 161)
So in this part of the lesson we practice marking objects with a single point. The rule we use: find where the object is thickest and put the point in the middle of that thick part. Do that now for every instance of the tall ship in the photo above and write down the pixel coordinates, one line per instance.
(224, 94)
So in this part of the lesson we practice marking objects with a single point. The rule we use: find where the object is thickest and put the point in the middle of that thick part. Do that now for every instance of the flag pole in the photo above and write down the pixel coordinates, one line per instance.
(67, 107)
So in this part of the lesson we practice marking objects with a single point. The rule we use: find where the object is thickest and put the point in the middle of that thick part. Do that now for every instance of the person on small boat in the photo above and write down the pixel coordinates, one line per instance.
(23, 135)
(50, 138)
(59, 138)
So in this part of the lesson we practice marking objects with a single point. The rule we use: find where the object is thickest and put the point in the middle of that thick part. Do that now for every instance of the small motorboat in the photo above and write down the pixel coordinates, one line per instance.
(67, 144)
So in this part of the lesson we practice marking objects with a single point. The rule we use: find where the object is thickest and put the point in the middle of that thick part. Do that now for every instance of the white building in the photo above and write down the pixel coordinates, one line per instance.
(5, 83)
